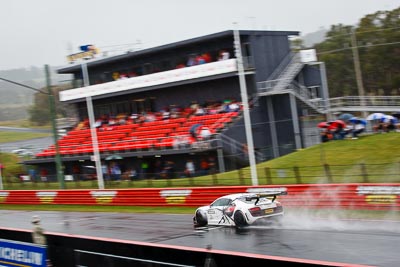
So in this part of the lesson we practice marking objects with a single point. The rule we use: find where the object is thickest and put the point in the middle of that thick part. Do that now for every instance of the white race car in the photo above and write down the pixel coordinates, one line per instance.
(240, 210)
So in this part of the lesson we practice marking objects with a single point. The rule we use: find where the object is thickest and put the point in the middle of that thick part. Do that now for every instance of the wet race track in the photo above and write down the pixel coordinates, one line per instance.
(299, 236)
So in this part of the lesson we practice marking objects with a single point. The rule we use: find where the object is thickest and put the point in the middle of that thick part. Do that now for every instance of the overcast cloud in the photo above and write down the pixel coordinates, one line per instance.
(34, 33)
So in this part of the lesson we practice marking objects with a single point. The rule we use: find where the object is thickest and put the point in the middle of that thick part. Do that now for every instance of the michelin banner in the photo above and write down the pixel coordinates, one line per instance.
(13, 253)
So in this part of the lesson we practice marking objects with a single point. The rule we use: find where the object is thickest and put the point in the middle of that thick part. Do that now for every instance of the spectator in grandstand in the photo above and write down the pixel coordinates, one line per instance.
(112, 121)
(356, 129)
(223, 55)
(32, 175)
(115, 171)
(234, 106)
(204, 166)
(326, 135)
(132, 174)
(389, 123)
(149, 117)
(105, 171)
(207, 57)
(175, 111)
(224, 108)
(144, 166)
(205, 133)
(191, 61)
(132, 74)
(121, 119)
(123, 76)
(169, 170)
(213, 108)
(194, 105)
(165, 114)
(189, 168)
(76, 172)
(134, 117)
(180, 66)
(200, 111)
(43, 175)
(200, 60)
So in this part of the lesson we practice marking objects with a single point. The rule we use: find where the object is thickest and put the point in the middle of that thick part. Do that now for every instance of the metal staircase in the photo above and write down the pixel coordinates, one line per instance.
(282, 80)
(233, 148)
(282, 77)
(288, 75)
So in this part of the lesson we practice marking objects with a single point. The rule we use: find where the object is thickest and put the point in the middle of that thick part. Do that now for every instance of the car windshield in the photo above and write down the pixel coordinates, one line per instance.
(222, 202)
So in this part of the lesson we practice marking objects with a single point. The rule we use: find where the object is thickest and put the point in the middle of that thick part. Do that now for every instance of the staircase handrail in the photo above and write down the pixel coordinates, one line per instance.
(236, 146)
(282, 65)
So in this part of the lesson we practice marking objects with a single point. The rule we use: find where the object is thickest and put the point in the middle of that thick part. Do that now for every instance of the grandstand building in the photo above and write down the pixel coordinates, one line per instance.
(152, 105)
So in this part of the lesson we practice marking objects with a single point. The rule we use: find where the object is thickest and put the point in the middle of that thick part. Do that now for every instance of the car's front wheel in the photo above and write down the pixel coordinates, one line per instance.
(201, 219)
(239, 219)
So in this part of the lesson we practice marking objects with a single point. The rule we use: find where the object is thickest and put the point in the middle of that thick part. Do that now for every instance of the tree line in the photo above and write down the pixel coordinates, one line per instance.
(377, 39)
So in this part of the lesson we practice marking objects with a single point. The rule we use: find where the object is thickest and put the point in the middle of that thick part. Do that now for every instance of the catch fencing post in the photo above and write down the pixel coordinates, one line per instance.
(297, 174)
(328, 173)
(214, 178)
(240, 173)
(267, 171)
(364, 172)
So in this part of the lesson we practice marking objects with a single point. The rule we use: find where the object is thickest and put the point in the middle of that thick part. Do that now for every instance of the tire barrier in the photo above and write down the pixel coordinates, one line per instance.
(343, 196)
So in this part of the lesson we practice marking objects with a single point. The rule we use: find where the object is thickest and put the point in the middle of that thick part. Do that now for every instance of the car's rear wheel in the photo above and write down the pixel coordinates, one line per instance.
(201, 219)
(239, 219)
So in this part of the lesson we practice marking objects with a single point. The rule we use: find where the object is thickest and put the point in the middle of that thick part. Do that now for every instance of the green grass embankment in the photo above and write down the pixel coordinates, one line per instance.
(7, 137)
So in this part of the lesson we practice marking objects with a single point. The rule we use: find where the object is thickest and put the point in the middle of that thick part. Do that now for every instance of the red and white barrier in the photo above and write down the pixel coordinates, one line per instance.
(344, 196)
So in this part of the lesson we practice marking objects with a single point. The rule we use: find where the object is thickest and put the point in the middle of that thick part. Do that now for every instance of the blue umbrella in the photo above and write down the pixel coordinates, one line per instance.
(357, 120)
(345, 116)
(375, 116)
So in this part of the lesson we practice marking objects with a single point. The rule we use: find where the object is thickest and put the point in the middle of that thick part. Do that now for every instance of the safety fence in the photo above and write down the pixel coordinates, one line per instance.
(325, 173)
(347, 196)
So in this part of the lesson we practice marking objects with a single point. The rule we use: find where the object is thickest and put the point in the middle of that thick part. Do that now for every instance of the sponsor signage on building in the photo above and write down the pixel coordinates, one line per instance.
(88, 52)
(13, 253)
(194, 72)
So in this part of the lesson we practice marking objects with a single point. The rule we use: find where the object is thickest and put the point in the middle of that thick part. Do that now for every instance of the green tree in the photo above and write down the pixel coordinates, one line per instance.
(40, 111)
(378, 38)
(336, 53)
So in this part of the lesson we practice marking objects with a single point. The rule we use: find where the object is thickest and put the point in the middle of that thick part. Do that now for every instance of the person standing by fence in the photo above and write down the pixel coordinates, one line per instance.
(39, 237)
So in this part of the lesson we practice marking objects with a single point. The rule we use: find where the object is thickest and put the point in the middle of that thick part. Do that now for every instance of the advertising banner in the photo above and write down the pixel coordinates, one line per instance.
(14, 253)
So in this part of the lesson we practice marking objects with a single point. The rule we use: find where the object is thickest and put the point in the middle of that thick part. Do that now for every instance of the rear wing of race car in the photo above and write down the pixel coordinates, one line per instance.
(266, 195)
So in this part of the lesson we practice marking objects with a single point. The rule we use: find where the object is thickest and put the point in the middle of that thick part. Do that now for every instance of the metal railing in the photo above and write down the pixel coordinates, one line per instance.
(284, 63)
(237, 149)
(324, 173)
(365, 103)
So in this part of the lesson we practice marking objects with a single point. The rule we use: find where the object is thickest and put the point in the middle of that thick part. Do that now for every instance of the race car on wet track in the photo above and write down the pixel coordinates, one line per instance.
(241, 209)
